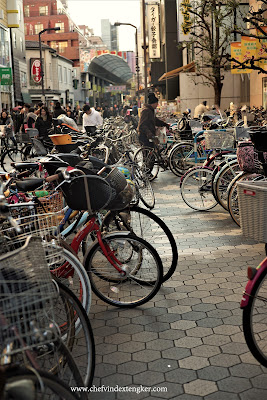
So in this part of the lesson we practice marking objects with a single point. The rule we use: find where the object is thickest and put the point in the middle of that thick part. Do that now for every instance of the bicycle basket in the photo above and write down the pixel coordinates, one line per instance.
(259, 138)
(122, 199)
(99, 190)
(23, 138)
(51, 203)
(116, 179)
(216, 139)
(26, 299)
(39, 147)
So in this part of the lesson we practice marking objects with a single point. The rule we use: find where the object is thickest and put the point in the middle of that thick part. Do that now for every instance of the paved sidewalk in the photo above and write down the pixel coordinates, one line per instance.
(189, 337)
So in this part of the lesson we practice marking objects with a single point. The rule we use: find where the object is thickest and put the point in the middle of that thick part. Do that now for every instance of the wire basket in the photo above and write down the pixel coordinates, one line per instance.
(218, 139)
(23, 138)
(26, 299)
(51, 203)
(252, 199)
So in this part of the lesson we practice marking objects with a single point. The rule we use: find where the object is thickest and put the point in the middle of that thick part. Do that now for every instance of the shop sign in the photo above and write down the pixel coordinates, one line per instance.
(5, 76)
(236, 53)
(95, 88)
(36, 70)
(187, 22)
(153, 30)
(114, 89)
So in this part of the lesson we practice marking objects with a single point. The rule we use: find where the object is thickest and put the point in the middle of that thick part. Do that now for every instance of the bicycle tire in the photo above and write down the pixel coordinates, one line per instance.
(10, 155)
(181, 158)
(144, 189)
(147, 160)
(142, 272)
(53, 388)
(253, 324)
(222, 180)
(196, 189)
(82, 347)
(145, 224)
(79, 283)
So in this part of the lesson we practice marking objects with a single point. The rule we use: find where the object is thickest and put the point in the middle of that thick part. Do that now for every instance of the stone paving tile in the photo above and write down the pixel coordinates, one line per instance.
(189, 337)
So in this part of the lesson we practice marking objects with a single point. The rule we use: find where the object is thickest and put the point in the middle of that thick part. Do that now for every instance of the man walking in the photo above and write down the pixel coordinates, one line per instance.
(91, 118)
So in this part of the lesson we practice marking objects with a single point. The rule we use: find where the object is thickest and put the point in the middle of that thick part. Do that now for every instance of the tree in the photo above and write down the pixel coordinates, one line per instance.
(211, 24)
(256, 19)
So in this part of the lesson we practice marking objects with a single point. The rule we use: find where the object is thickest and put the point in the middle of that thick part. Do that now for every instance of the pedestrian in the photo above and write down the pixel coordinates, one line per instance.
(201, 109)
(148, 122)
(44, 123)
(70, 113)
(106, 113)
(91, 119)
(29, 118)
(38, 109)
(58, 110)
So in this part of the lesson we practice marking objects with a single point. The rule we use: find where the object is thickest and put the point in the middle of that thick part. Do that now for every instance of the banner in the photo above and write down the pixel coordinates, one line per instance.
(5, 76)
(187, 22)
(262, 48)
(114, 89)
(248, 49)
(236, 53)
(36, 70)
(153, 30)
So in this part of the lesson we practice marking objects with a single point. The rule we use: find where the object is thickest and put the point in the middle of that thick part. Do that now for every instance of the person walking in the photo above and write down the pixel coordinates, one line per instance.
(29, 118)
(44, 123)
(58, 110)
(148, 122)
(91, 118)
(200, 109)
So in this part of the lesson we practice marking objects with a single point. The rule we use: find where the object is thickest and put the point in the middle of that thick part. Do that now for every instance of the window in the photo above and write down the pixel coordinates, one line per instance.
(65, 75)
(21, 43)
(23, 79)
(26, 11)
(53, 44)
(60, 25)
(70, 75)
(14, 40)
(60, 73)
(62, 46)
(25, 29)
(43, 10)
(38, 28)
(50, 71)
(31, 30)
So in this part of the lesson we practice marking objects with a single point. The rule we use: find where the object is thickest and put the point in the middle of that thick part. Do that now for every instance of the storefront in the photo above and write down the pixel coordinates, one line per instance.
(5, 69)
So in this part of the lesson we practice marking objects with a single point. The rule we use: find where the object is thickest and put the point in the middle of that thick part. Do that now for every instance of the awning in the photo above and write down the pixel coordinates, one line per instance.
(175, 72)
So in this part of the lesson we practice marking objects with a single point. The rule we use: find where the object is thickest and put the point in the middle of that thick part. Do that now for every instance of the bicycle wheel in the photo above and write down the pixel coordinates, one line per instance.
(232, 196)
(143, 223)
(144, 189)
(182, 158)
(196, 189)
(10, 155)
(76, 332)
(137, 258)
(222, 180)
(148, 161)
(65, 266)
(255, 321)
(39, 385)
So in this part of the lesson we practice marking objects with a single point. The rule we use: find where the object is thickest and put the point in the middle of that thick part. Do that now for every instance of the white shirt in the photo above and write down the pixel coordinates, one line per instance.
(92, 119)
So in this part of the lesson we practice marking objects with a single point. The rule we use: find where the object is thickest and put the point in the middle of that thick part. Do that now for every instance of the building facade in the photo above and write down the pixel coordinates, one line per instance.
(58, 84)
(109, 34)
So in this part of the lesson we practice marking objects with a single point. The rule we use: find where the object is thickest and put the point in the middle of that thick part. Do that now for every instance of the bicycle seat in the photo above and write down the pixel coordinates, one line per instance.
(22, 166)
(29, 184)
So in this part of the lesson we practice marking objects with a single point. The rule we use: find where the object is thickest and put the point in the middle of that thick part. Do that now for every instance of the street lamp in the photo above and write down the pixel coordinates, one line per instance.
(57, 28)
(136, 50)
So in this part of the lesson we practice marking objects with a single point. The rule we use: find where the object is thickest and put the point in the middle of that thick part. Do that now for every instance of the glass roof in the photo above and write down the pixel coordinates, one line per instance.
(111, 68)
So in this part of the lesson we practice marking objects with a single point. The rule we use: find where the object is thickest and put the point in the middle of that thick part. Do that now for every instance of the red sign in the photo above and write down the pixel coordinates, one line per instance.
(36, 71)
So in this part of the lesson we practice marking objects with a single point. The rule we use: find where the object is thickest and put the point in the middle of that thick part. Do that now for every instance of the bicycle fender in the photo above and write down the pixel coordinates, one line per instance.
(191, 169)
(251, 283)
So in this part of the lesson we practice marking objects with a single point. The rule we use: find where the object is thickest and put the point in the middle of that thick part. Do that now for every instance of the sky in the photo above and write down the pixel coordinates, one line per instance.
(90, 12)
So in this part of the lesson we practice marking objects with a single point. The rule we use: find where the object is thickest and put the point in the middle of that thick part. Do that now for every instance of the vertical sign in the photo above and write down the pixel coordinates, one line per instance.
(262, 48)
(236, 53)
(187, 22)
(153, 30)
(5, 76)
(248, 49)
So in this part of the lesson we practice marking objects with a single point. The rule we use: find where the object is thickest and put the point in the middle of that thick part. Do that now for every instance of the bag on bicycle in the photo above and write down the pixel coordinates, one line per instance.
(247, 157)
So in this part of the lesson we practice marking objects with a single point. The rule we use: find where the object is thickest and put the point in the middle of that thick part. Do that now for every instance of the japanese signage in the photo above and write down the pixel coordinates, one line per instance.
(248, 49)
(237, 55)
(5, 76)
(153, 30)
(36, 70)
(262, 49)
(187, 22)
(87, 55)
(115, 88)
